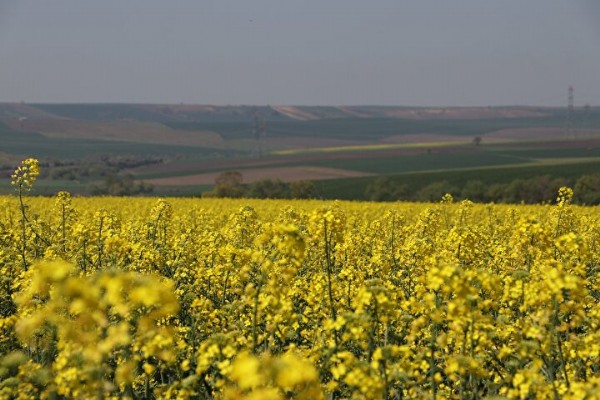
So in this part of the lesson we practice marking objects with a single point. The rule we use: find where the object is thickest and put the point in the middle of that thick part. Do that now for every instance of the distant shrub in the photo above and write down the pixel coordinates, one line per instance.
(117, 185)
(587, 189)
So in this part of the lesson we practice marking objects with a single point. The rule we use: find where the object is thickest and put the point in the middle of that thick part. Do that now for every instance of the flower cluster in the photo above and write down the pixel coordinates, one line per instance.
(232, 299)
(26, 174)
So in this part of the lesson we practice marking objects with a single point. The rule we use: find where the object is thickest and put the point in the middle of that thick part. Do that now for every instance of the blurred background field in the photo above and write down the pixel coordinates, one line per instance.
(346, 152)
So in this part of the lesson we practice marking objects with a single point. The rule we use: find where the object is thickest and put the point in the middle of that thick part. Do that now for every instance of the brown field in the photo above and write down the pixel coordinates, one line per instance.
(301, 113)
(127, 131)
(16, 110)
(463, 112)
(286, 174)
(296, 113)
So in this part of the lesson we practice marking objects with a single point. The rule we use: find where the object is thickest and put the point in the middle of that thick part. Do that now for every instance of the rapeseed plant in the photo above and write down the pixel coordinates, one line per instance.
(232, 299)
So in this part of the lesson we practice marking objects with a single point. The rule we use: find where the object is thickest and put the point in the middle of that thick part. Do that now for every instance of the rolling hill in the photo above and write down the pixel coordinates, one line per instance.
(182, 147)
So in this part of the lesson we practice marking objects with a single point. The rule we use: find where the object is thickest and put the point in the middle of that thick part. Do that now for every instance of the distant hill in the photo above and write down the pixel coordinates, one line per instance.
(180, 147)
(207, 113)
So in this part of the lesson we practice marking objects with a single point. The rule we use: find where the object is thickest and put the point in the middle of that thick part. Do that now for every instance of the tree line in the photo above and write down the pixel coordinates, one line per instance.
(230, 184)
(535, 190)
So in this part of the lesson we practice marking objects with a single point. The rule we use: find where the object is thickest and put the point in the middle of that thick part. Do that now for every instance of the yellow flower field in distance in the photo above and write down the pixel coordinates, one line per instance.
(216, 298)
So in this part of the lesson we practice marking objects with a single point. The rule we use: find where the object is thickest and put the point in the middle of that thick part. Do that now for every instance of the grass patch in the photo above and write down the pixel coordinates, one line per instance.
(354, 188)
(368, 147)
(389, 165)
(557, 153)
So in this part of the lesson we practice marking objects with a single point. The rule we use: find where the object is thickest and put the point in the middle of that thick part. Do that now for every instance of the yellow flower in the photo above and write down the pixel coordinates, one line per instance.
(245, 371)
(26, 174)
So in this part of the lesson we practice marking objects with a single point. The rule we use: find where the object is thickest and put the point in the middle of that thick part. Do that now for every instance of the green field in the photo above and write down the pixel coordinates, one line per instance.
(354, 188)
(368, 129)
(353, 140)
(33, 144)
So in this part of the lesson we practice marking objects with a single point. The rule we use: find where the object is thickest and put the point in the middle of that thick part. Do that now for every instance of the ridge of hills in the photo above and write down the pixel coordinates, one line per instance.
(180, 148)
(197, 113)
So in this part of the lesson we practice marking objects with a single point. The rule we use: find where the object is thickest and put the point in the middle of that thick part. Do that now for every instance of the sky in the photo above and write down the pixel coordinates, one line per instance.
(301, 52)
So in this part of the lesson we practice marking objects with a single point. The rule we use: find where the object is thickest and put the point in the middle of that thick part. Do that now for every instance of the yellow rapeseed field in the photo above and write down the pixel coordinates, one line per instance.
(232, 299)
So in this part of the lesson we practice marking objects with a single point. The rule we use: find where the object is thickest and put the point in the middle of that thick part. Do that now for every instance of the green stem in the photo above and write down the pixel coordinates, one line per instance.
(432, 361)
(255, 320)
(559, 344)
(64, 229)
(329, 273)
(100, 242)
(23, 232)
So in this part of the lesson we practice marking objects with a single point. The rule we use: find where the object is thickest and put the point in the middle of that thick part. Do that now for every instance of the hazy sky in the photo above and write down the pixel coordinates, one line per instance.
(326, 52)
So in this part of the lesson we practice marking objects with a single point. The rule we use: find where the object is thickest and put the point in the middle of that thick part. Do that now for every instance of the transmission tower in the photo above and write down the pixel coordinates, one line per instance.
(570, 114)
